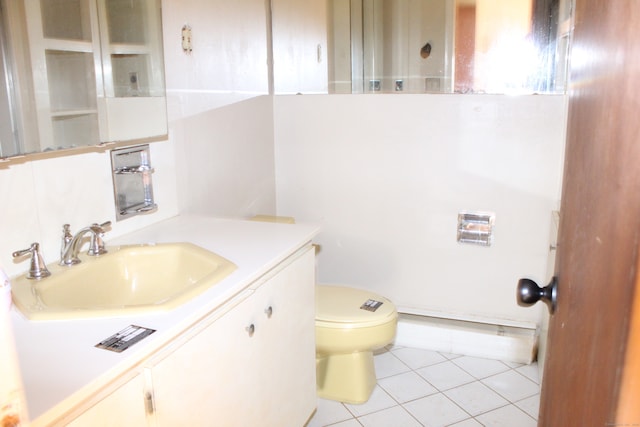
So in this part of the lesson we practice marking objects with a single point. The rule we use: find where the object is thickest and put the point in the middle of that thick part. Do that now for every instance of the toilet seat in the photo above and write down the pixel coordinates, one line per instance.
(341, 307)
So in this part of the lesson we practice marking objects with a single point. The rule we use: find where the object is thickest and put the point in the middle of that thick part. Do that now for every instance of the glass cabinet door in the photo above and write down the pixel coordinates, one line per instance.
(98, 71)
(64, 49)
(134, 105)
(132, 49)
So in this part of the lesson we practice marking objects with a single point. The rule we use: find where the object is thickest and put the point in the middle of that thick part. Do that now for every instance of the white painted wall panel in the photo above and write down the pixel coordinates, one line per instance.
(225, 160)
(228, 62)
(388, 174)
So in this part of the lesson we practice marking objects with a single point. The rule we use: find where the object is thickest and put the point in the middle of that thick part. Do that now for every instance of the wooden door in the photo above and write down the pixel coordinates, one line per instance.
(599, 237)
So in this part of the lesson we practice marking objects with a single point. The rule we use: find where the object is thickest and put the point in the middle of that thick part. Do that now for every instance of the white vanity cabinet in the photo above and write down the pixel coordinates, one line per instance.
(123, 407)
(250, 362)
(200, 367)
(253, 364)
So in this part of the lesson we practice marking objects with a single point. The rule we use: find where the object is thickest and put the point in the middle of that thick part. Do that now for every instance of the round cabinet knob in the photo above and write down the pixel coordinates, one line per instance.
(530, 293)
(269, 311)
(251, 329)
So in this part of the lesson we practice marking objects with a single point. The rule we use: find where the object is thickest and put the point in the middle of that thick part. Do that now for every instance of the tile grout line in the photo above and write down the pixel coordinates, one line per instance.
(409, 368)
(476, 379)
(441, 392)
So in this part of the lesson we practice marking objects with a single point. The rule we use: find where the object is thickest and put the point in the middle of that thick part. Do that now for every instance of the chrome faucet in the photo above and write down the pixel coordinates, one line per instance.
(71, 244)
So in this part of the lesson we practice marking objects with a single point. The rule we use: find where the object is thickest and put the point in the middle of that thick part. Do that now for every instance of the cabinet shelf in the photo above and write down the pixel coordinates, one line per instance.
(68, 45)
(73, 113)
(129, 49)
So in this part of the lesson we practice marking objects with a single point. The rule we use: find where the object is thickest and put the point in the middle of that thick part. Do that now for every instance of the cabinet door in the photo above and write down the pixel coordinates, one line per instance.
(288, 368)
(200, 382)
(134, 105)
(65, 48)
(123, 407)
(248, 367)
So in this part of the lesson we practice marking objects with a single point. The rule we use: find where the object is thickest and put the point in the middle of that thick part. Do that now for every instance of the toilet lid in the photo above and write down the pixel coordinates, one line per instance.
(341, 306)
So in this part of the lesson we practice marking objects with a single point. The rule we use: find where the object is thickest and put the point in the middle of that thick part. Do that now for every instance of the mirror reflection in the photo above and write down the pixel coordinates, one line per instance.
(9, 127)
(450, 46)
(78, 73)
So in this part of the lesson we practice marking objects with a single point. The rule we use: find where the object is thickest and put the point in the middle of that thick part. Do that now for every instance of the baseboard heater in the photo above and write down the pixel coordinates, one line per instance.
(508, 343)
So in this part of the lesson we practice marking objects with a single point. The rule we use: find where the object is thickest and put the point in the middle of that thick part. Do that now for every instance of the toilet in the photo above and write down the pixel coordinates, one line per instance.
(350, 324)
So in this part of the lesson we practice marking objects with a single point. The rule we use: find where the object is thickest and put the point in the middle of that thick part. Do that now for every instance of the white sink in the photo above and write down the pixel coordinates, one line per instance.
(128, 280)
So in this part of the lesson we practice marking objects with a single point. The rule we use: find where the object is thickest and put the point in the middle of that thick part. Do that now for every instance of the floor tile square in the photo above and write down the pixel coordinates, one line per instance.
(530, 405)
(445, 375)
(417, 358)
(417, 387)
(450, 355)
(512, 386)
(476, 398)
(329, 412)
(396, 417)
(386, 365)
(407, 386)
(479, 367)
(507, 416)
(379, 400)
(530, 371)
(349, 423)
(436, 411)
(513, 365)
(467, 423)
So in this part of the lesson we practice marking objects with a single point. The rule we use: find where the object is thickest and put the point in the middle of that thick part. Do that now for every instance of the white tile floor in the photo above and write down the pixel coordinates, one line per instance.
(426, 388)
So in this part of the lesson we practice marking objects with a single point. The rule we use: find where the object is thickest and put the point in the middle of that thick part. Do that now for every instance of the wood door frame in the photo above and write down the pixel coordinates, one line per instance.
(628, 412)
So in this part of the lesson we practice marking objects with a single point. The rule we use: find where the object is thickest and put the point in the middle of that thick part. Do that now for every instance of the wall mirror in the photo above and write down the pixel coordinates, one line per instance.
(425, 46)
(78, 73)
(459, 46)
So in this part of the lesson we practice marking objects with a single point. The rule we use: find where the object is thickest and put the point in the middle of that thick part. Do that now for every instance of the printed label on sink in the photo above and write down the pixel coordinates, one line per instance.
(124, 339)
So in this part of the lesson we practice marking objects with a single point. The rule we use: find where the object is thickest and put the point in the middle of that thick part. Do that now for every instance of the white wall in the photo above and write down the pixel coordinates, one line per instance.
(221, 124)
(225, 160)
(228, 62)
(387, 175)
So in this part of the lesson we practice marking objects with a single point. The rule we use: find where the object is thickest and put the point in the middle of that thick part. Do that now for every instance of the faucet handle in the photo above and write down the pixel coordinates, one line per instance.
(66, 238)
(66, 232)
(96, 245)
(38, 268)
(100, 228)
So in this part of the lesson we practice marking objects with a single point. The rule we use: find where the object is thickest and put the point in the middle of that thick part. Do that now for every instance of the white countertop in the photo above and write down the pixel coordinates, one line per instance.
(58, 359)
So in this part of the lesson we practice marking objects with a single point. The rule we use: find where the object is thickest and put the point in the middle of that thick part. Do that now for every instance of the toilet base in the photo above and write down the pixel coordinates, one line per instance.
(348, 378)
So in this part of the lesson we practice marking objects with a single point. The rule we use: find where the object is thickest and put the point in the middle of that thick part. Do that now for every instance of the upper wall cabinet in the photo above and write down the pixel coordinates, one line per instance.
(98, 73)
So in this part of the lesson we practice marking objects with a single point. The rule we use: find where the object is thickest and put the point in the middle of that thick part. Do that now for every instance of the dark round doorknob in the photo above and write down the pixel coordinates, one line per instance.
(530, 293)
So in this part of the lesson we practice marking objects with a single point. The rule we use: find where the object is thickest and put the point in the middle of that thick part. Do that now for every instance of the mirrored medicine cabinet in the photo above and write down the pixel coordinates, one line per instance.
(76, 73)
(79, 73)
(461, 46)
(426, 46)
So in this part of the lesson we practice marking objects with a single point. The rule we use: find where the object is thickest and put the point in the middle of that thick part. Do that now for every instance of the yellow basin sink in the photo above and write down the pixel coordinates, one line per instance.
(128, 280)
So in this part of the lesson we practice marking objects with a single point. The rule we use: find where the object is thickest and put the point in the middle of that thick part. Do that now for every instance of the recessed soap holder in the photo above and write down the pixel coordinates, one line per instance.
(132, 185)
(476, 228)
